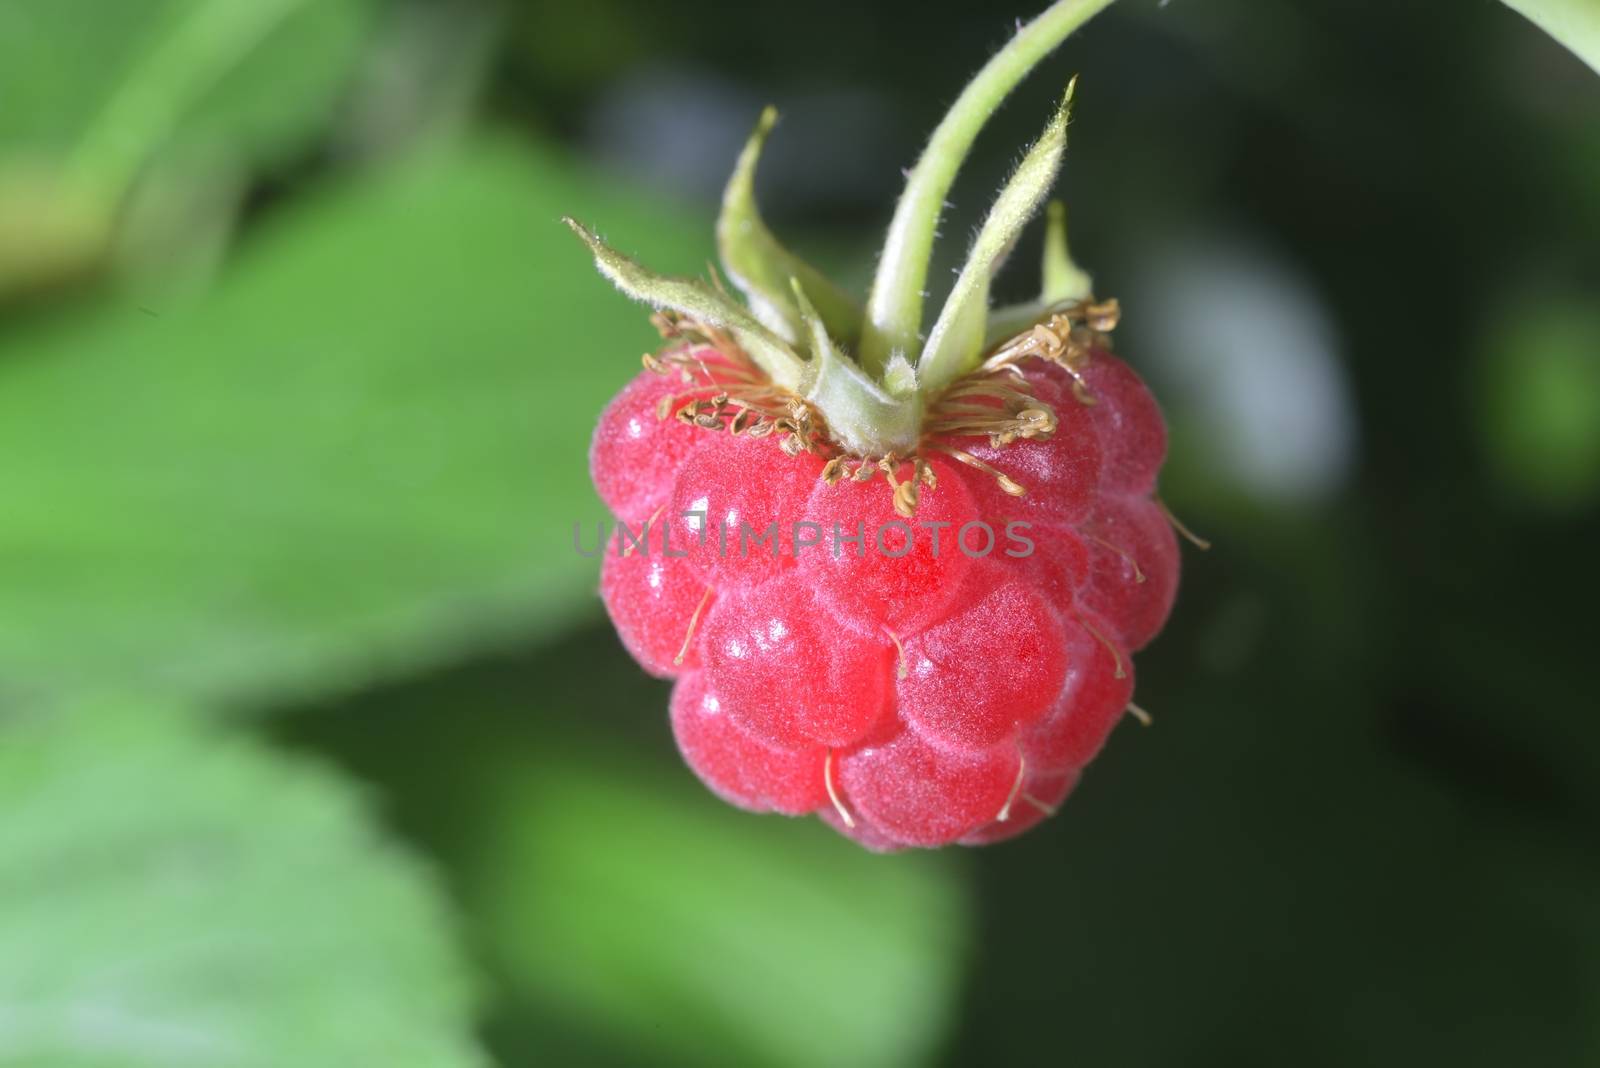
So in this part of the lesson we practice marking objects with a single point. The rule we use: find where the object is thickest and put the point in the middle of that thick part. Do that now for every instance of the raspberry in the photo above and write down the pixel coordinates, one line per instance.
(959, 694)
(1133, 567)
(902, 596)
(1044, 791)
(912, 793)
(1127, 418)
(784, 676)
(1097, 688)
(652, 599)
(728, 502)
(1059, 563)
(898, 572)
(1061, 473)
(737, 767)
(635, 454)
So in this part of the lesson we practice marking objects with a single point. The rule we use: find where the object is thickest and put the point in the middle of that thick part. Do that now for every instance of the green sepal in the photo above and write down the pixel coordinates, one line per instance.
(894, 307)
(957, 340)
(1064, 282)
(899, 376)
(863, 416)
(761, 267)
(694, 298)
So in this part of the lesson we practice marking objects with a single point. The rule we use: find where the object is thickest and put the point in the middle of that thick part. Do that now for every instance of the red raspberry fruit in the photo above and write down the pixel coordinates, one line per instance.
(784, 676)
(900, 595)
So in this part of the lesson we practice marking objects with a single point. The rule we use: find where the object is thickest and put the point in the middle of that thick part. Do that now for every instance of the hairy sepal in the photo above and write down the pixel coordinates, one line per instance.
(863, 416)
(699, 301)
(957, 340)
(894, 308)
(761, 267)
(1064, 283)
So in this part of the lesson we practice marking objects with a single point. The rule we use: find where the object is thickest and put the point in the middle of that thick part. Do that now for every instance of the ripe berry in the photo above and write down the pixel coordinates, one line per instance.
(961, 692)
(740, 769)
(1126, 416)
(1061, 472)
(881, 571)
(1098, 687)
(1133, 567)
(914, 794)
(902, 596)
(731, 502)
(652, 598)
(635, 453)
(785, 675)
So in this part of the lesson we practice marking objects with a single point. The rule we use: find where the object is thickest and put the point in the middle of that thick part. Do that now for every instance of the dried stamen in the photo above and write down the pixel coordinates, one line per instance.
(905, 493)
(1139, 714)
(1177, 524)
(644, 534)
(1116, 654)
(1138, 573)
(1005, 481)
(833, 795)
(995, 404)
(728, 393)
(900, 653)
(730, 396)
(1048, 810)
(1016, 787)
(1066, 339)
(694, 621)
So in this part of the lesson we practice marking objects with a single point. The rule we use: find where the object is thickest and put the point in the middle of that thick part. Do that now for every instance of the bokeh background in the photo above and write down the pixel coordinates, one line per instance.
(315, 746)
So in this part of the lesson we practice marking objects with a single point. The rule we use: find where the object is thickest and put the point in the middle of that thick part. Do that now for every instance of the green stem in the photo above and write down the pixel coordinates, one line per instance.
(894, 310)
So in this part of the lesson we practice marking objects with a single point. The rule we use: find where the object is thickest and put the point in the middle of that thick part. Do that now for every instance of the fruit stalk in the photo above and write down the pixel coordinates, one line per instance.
(894, 309)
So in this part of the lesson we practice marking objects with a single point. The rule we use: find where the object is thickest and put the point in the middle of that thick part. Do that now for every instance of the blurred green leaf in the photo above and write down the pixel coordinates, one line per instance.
(49, 236)
(629, 915)
(170, 898)
(179, 95)
(641, 906)
(1539, 394)
(423, 77)
(364, 448)
(106, 86)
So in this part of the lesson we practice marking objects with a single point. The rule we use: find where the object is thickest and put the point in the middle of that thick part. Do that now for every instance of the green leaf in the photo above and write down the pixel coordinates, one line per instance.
(132, 128)
(762, 268)
(700, 934)
(957, 337)
(630, 916)
(171, 897)
(1575, 23)
(1538, 385)
(105, 87)
(695, 298)
(363, 452)
(48, 236)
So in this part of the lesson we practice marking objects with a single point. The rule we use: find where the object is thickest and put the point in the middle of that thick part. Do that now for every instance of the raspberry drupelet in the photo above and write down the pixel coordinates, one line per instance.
(900, 594)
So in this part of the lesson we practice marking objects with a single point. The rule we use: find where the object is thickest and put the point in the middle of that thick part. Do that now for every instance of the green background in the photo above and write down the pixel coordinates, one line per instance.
(316, 748)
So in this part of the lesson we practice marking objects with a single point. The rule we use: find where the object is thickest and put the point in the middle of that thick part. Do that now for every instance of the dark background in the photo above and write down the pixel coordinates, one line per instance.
(1358, 250)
